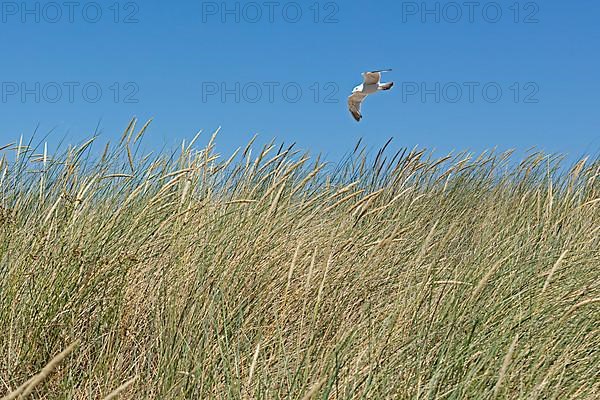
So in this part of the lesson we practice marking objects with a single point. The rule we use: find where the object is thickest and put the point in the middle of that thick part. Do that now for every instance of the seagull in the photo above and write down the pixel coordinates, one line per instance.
(371, 84)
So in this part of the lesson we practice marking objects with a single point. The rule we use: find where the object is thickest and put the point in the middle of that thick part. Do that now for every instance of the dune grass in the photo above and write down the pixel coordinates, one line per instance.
(271, 274)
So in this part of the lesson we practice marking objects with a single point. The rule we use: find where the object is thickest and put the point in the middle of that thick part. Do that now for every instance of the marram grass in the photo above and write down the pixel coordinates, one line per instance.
(272, 275)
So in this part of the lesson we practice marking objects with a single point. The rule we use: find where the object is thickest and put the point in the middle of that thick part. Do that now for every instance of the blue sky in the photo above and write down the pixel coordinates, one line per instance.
(195, 65)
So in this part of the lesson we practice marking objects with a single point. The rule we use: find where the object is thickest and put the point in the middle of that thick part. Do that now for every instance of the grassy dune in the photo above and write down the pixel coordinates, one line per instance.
(273, 275)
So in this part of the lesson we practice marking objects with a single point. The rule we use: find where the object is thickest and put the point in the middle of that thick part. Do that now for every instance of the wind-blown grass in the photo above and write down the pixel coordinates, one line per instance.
(269, 274)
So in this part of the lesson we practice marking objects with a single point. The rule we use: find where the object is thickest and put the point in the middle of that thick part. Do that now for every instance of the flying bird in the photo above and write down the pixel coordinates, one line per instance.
(371, 84)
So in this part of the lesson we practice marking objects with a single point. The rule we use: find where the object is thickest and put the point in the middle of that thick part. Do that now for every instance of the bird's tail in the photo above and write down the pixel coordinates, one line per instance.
(386, 86)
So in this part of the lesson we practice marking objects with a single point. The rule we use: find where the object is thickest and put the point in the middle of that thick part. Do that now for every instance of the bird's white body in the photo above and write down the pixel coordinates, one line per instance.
(372, 84)
(367, 89)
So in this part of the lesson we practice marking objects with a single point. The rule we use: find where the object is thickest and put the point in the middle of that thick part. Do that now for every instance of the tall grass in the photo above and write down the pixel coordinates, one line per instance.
(271, 274)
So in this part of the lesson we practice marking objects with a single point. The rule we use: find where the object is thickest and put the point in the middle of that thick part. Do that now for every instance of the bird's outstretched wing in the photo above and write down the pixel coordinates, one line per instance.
(354, 103)
(373, 77)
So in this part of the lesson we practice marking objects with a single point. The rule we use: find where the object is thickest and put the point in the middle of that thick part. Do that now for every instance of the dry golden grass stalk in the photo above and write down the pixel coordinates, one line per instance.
(253, 365)
(550, 273)
(505, 365)
(314, 390)
(43, 374)
(15, 393)
(115, 393)
(485, 279)
(577, 306)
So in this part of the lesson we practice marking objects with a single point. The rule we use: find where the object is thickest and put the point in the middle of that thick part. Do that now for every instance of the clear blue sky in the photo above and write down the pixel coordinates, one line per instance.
(171, 58)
